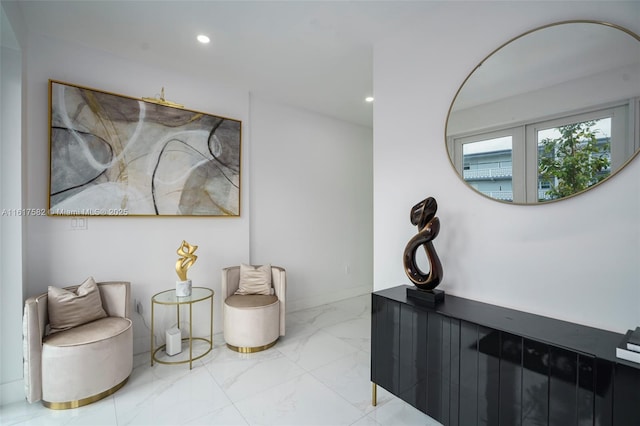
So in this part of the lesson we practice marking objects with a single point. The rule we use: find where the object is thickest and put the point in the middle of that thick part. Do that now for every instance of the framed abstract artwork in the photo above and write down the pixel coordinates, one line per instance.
(113, 155)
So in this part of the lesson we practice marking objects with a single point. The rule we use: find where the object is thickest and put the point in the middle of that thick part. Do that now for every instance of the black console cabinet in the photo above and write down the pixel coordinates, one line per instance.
(467, 363)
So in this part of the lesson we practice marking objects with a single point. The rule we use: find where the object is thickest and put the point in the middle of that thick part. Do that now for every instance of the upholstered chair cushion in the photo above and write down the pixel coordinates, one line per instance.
(82, 364)
(253, 322)
(68, 309)
(255, 280)
(255, 301)
(96, 357)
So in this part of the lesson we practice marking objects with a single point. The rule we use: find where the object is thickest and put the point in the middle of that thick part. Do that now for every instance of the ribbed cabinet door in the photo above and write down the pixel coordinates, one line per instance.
(435, 338)
(488, 376)
(586, 393)
(449, 372)
(563, 387)
(535, 383)
(479, 392)
(414, 338)
(468, 374)
(385, 343)
(510, 379)
(603, 393)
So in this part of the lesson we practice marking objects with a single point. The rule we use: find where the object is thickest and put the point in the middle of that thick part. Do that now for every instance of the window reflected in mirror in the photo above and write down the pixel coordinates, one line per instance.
(488, 166)
(573, 157)
(531, 125)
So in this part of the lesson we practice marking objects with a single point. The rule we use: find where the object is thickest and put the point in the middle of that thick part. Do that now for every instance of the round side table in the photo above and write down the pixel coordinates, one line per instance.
(168, 297)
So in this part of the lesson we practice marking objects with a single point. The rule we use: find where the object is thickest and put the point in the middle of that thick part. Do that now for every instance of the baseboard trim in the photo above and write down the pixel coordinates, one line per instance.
(327, 297)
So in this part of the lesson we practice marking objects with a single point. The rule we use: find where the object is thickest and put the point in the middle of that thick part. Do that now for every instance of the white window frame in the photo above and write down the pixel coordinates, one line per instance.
(517, 155)
(619, 131)
(625, 126)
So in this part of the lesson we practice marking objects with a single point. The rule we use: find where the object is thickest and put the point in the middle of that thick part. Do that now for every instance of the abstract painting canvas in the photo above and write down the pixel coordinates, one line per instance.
(113, 155)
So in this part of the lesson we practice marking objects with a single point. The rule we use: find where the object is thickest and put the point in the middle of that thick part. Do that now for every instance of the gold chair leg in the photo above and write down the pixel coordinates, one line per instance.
(374, 394)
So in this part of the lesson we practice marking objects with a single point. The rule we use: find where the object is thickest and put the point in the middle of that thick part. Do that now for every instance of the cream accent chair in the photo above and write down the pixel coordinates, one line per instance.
(76, 367)
(253, 323)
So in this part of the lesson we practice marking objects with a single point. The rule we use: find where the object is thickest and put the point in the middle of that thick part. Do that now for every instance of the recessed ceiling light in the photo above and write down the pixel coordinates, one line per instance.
(369, 99)
(203, 39)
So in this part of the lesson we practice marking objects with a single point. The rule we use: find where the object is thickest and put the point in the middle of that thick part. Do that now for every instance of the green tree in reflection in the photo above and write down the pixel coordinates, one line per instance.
(574, 161)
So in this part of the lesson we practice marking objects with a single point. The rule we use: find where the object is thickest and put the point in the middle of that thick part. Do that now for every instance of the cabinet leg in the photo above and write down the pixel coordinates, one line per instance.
(374, 394)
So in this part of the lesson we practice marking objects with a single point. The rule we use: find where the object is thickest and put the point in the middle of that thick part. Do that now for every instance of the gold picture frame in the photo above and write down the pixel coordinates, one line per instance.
(115, 155)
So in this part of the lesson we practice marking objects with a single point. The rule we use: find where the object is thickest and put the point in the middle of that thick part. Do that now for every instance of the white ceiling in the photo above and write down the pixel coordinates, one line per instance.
(316, 55)
(312, 54)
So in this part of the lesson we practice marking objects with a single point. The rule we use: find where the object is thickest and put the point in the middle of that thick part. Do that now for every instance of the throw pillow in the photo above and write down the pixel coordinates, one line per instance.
(68, 309)
(255, 280)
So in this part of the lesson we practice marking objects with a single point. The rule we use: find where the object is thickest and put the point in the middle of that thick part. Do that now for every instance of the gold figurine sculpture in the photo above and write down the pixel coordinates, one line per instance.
(187, 259)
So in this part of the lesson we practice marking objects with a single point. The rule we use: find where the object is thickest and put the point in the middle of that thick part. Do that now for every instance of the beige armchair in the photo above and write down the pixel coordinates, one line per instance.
(83, 364)
(253, 322)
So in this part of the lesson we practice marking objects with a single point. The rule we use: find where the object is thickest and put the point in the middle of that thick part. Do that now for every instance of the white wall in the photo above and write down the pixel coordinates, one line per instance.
(311, 203)
(10, 222)
(576, 259)
(137, 249)
(308, 208)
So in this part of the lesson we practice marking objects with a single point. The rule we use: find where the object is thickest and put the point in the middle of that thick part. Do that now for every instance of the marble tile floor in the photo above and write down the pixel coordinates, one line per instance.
(318, 374)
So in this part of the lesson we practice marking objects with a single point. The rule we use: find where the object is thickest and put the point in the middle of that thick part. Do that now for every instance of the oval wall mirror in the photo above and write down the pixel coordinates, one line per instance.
(549, 114)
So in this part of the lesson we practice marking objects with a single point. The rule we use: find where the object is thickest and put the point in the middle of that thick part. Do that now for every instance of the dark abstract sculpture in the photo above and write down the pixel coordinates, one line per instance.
(423, 215)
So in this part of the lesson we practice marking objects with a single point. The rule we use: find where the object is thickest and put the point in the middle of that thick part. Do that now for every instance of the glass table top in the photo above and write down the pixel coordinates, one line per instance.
(168, 297)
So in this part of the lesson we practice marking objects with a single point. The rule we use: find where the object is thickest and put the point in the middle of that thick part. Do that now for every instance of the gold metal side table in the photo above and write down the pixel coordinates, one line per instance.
(168, 297)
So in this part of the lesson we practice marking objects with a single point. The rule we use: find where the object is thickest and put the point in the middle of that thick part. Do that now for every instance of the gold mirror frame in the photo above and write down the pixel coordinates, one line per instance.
(633, 100)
